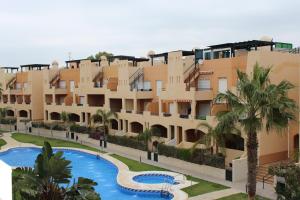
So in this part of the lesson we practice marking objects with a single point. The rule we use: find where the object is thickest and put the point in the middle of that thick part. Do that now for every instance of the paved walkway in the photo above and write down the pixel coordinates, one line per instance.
(116, 149)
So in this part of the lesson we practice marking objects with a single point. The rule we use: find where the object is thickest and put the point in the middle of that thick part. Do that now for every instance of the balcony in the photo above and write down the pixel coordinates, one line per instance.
(204, 94)
(60, 90)
(15, 91)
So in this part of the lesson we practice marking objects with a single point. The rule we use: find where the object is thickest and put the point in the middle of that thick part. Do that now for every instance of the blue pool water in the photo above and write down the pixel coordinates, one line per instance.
(154, 178)
(85, 165)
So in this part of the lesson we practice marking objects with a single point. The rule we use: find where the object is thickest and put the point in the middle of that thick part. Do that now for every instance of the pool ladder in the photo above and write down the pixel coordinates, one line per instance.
(166, 189)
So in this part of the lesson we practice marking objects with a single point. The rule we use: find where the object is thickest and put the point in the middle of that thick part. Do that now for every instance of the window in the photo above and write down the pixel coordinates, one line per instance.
(25, 85)
(81, 100)
(222, 85)
(158, 87)
(62, 84)
(147, 85)
(204, 84)
(18, 86)
(72, 86)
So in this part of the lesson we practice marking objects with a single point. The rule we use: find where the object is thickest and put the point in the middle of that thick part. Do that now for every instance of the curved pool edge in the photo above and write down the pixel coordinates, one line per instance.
(124, 175)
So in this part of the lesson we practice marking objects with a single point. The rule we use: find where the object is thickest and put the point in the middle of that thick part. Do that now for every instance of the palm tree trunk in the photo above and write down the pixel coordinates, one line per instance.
(252, 145)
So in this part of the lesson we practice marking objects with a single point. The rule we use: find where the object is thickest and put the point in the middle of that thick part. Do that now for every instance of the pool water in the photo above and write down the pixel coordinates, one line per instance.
(154, 179)
(85, 165)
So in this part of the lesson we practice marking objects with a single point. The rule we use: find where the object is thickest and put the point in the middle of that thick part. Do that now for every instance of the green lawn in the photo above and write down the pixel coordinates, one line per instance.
(39, 141)
(2, 142)
(201, 187)
(137, 166)
(241, 196)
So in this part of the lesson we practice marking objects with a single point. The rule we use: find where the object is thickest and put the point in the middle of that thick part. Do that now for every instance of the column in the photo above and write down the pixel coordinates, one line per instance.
(124, 125)
(159, 107)
(193, 109)
(134, 105)
(124, 104)
(176, 109)
(53, 99)
(183, 135)
(176, 134)
(169, 133)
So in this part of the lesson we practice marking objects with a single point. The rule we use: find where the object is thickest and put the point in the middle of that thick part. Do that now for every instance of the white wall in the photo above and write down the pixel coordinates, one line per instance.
(5, 181)
(239, 170)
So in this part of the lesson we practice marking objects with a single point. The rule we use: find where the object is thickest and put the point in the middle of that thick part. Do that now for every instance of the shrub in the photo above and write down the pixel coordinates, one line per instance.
(8, 121)
(127, 141)
(198, 156)
(79, 129)
(55, 126)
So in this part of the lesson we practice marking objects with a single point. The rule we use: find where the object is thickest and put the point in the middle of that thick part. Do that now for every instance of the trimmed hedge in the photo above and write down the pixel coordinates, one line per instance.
(79, 129)
(198, 156)
(8, 121)
(131, 142)
(56, 127)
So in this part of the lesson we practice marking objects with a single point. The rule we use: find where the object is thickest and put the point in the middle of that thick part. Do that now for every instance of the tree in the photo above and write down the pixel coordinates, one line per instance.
(147, 135)
(214, 138)
(65, 118)
(44, 181)
(257, 105)
(104, 117)
(98, 55)
(289, 187)
(1, 89)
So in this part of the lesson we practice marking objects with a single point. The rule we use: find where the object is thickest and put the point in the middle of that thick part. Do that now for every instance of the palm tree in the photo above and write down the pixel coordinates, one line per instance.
(147, 136)
(215, 137)
(44, 181)
(104, 117)
(65, 118)
(257, 105)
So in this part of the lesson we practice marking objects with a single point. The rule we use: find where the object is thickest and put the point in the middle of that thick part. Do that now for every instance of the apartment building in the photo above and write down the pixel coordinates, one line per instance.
(171, 91)
(22, 91)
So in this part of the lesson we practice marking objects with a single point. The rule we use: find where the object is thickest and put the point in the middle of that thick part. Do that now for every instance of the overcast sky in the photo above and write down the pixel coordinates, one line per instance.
(40, 31)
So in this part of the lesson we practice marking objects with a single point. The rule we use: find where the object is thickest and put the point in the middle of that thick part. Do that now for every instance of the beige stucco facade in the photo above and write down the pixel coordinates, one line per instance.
(171, 93)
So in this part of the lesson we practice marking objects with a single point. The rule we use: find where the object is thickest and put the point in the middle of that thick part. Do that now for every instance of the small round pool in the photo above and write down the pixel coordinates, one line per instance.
(155, 179)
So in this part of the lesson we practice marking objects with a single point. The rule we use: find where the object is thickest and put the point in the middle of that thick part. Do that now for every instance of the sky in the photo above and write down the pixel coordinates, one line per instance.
(40, 31)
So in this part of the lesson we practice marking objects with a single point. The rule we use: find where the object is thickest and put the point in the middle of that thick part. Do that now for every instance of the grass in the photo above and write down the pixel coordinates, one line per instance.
(241, 196)
(2, 142)
(136, 166)
(39, 141)
(201, 187)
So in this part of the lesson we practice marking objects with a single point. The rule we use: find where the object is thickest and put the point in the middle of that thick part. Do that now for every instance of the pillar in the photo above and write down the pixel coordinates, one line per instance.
(124, 125)
(169, 133)
(193, 109)
(123, 104)
(176, 134)
(159, 106)
(134, 105)
(183, 135)
(53, 99)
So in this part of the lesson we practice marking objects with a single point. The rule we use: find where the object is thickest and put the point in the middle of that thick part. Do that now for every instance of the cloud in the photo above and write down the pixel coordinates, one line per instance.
(40, 31)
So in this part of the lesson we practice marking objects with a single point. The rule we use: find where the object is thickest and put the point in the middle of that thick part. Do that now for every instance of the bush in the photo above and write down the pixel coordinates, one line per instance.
(198, 156)
(55, 126)
(8, 121)
(131, 142)
(95, 135)
(79, 129)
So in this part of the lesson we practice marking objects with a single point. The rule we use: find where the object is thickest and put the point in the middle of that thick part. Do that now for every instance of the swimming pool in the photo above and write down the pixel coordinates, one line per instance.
(154, 179)
(86, 165)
